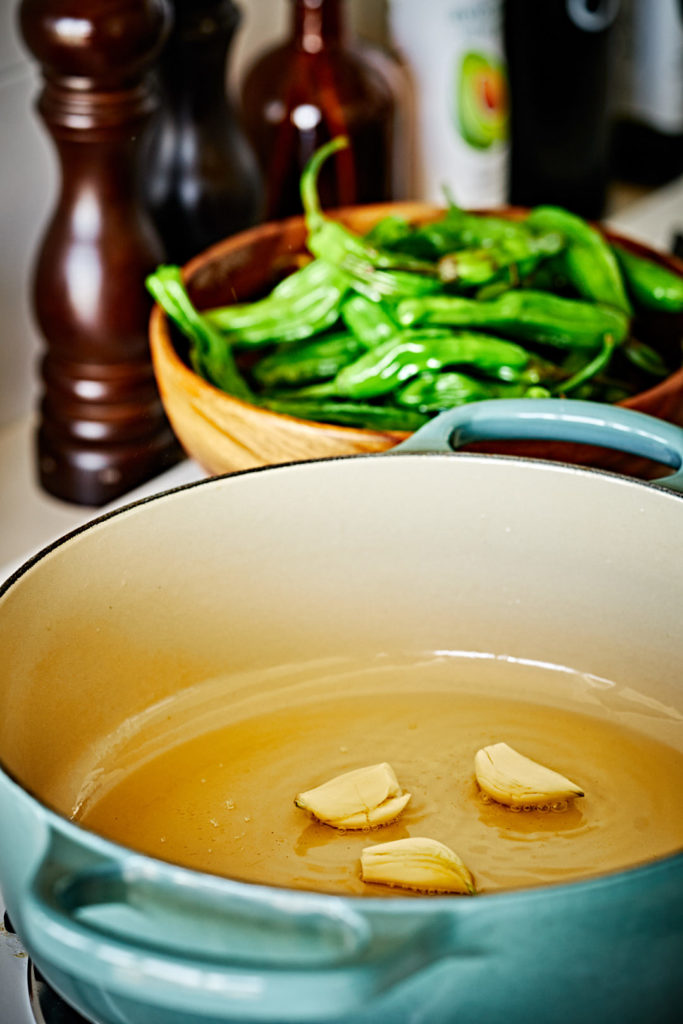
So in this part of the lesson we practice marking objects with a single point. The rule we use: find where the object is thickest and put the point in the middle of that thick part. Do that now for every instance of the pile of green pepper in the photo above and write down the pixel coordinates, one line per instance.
(386, 330)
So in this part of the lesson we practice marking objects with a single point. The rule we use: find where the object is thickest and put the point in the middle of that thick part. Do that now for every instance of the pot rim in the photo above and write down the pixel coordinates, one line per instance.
(59, 822)
(542, 463)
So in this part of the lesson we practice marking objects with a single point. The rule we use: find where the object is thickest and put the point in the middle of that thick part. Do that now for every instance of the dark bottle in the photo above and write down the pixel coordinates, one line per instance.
(648, 130)
(202, 180)
(559, 69)
(319, 84)
(102, 428)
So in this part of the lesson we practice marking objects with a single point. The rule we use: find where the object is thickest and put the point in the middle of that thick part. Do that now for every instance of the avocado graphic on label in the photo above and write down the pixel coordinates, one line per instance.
(482, 100)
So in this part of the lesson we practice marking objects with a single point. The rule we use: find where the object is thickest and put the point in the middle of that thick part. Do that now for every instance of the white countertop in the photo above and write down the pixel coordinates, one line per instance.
(31, 519)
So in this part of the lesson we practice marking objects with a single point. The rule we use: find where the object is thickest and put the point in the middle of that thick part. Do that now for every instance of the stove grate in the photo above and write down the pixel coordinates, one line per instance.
(47, 1007)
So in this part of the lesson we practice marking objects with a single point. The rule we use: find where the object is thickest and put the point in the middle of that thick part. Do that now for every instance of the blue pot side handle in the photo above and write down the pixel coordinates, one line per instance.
(555, 419)
(149, 932)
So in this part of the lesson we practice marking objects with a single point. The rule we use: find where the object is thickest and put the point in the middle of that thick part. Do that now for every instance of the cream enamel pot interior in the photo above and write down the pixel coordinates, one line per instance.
(418, 551)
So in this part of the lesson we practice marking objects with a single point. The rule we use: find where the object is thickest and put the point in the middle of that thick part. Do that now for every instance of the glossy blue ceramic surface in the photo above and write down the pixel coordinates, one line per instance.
(128, 938)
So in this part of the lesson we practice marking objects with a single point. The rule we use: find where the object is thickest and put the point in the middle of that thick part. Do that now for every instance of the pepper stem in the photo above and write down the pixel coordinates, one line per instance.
(309, 180)
(591, 369)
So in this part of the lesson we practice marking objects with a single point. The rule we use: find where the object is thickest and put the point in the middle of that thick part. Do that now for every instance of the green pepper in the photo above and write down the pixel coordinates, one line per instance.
(370, 322)
(493, 289)
(389, 232)
(210, 352)
(382, 369)
(408, 333)
(433, 392)
(459, 229)
(475, 229)
(651, 285)
(305, 303)
(331, 241)
(299, 364)
(349, 414)
(548, 276)
(293, 288)
(426, 242)
(590, 264)
(375, 273)
(390, 285)
(471, 267)
(527, 315)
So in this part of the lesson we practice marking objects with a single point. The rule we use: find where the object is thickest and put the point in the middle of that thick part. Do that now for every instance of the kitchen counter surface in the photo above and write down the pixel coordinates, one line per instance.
(31, 519)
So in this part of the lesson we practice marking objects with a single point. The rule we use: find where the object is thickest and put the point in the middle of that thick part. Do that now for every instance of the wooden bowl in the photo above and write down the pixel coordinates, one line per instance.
(224, 434)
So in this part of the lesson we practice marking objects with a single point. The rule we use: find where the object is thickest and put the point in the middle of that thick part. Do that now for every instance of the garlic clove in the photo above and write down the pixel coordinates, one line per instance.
(419, 863)
(387, 812)
(512, 779)
(363, 798)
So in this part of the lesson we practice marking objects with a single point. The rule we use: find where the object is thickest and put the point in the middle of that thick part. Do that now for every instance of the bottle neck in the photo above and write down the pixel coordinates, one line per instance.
(318, 24)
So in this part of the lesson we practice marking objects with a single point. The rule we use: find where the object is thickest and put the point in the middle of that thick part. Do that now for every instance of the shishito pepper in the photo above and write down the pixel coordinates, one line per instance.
(472, 230)
(651, 285)
(364, 415)
(474, 267)
(390, 233)
(527, 315)
(329, 239)
(454, 231)
(391, 285)
(403, 328)
(375, 272)
(385, 367)
(468, 248)
(300, 364)
(305, 303)
(370, 322)
(590, 264)
(211, 354)
(434, 392)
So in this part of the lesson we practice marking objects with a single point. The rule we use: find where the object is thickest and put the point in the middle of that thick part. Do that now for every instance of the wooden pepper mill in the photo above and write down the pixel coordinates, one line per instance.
(102, 428)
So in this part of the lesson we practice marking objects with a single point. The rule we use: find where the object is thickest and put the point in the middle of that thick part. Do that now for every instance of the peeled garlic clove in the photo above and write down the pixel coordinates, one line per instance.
(517, 781)
(387, 812)
(416, 863)
(363, 798)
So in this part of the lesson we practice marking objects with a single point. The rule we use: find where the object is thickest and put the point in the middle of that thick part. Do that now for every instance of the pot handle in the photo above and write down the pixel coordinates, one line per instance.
(555, 419)
(149, 932)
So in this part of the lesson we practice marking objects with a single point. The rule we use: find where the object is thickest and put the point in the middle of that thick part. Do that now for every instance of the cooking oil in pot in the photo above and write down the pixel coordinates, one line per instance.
(208, 781)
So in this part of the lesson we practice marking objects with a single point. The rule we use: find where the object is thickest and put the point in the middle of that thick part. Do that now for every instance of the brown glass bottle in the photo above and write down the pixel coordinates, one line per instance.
(316, 85)
(202, 181)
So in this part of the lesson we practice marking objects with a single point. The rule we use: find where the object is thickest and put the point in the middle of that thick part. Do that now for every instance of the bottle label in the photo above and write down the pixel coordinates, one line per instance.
(456, 60)
(649, 63)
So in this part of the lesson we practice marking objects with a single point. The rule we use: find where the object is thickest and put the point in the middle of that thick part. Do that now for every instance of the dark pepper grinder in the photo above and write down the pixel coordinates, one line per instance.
(102, 428)
(202, 180)
(318, 83)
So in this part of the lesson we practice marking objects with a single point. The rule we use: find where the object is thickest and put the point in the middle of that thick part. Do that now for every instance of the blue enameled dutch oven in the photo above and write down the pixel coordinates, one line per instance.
(418, 550)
